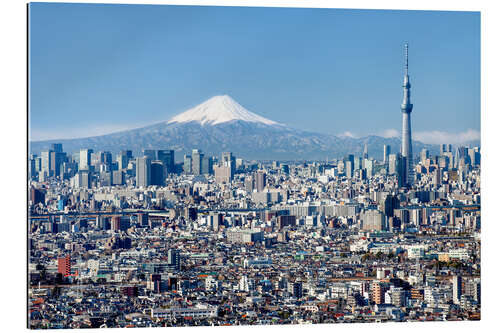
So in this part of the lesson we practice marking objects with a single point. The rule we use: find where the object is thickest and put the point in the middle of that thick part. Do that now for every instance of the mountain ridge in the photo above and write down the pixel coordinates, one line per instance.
(221, 124)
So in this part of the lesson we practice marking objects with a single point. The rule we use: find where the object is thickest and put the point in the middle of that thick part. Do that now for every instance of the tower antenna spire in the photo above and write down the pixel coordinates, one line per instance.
(406, 58)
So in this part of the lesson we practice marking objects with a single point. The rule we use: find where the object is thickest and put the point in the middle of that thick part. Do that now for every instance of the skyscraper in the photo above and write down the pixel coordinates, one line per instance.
(57, 147)
(46, 161)
(85, 159)
(151, 153)
(229, 160)
(260, 181)
(174, 259)
(349, 165)
(157, 173)
(196, 157)
(143, 171)
(187, 164)
(406, 108)
(424, 155)
(207, 165)
(387, 152)
(121, 159)
(457, 288)
(167, 157)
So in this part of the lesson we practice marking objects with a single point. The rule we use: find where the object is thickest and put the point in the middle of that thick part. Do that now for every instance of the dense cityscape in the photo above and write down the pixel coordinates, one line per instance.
(142, 239)
(146, 241)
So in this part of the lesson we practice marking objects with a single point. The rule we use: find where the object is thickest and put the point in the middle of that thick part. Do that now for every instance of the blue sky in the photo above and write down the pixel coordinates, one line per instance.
(95, 69)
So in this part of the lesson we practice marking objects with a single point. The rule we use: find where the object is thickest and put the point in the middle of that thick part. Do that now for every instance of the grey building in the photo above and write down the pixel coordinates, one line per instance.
(187, 167)
(85, 159)
(117, 177)
(207, 166)
(260, 181)
(373, 219)
(196, 157)
(143, 172)
(387, 152)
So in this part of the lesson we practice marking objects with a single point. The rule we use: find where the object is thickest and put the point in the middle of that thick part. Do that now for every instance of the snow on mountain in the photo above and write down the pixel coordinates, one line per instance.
(218, 110)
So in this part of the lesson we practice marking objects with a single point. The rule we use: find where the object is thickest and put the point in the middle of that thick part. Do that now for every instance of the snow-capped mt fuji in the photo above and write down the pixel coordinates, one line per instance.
(221, 124)
(218, 110)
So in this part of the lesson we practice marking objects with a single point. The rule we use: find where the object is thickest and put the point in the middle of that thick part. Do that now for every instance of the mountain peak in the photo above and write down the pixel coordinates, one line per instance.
(218, 110)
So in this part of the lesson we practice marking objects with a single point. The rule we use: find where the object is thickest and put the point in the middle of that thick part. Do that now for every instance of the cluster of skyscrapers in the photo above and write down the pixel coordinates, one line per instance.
(225, 241)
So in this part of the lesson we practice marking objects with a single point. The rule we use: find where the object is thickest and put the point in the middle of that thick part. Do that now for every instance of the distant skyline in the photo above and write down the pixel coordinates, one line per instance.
(96, 69)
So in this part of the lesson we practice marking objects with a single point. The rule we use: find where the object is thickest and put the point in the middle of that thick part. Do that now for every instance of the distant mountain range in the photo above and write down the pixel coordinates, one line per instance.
(221, 124)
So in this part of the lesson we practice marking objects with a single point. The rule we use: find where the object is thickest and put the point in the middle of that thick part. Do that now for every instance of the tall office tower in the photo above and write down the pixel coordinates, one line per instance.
(149, 153)
(117, 178)
(122, 160)
(358, 163)
(207, 165)
(349, 165)
(260, 181)
(436, 177)
(474, 156)
(442, 149)
(38, 164)
(387, 152)
(229, 160)
(57, 147)
(397, 165)
(349, 169)
(46, 161)
(85, 159)
(143, 172)
(168, 159)
(406, 108)
(174, 259)
(187, 164)
(369, 166)
(424, 155)
(95, 159)
(196, 157)
(107, 158)
(56, 160)
(157, 173)
(349, 157)
(365, 151)
(461, 156)
(82, 179)
(393, 163)
(32, 166)
(457, 289)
